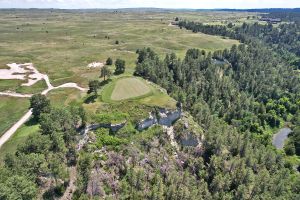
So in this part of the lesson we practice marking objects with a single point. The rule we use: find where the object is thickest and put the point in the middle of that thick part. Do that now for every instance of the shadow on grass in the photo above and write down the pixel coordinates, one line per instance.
(31, 122)
(91, 99)
(102, 83)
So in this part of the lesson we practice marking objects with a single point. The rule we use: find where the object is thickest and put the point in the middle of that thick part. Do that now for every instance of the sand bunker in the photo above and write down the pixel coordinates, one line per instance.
(95, 64)
(22, 72)
(28, 72)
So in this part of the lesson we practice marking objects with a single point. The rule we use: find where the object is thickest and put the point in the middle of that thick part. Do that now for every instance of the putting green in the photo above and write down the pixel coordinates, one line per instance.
(127, 88)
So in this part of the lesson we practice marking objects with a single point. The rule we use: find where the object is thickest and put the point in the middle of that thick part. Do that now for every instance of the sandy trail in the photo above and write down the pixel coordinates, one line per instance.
(35, 76)
(14, 128)
(13, 94)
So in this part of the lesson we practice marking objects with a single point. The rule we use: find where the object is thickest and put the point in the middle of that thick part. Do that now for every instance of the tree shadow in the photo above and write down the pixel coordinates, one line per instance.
(31, 122)
(91, 99)
(102, 83)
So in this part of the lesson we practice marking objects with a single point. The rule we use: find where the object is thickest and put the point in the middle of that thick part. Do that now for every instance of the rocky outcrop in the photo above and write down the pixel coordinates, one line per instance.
(84, 132)
(163, 117)
(167, 118)
(146, 123)
(112, 127)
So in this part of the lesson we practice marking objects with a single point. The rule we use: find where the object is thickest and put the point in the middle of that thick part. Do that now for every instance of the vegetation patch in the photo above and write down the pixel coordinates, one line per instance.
(11, 110)
(103, 138)
(127, 88)
(18, 138)
(107, 118)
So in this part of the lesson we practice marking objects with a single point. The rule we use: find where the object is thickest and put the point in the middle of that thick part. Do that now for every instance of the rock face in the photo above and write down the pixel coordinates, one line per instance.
(116, 127)
(163, 117)
(112, 127)
(166, 118)
(146, 123)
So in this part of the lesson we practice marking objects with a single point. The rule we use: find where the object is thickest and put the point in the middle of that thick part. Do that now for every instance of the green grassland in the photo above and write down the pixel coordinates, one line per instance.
(65, 96)
(62, 43)
(20, 136)
(11, 110)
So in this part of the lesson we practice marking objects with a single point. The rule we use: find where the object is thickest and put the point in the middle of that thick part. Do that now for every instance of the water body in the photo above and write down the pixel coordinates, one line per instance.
(280, 137)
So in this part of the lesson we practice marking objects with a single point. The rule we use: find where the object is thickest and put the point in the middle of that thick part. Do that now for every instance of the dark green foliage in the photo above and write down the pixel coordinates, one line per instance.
(246, 86)
(105, 72)
(42, 155)
(39, 104)
(293, 145)
(120, 66)
(103, 138)
(109, 61)
(94, 86)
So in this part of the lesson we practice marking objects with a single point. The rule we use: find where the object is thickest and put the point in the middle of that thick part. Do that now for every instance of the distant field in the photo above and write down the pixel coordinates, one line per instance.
(62, 43)
(127, 88)
(11, 110)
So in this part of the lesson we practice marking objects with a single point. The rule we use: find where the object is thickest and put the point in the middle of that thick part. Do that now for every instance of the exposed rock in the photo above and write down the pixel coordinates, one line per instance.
(163, 117)
(146, 123)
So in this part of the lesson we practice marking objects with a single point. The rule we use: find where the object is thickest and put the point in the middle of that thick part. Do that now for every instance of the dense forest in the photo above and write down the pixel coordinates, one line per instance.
(284, 38)
(44, 158)
(247, 86)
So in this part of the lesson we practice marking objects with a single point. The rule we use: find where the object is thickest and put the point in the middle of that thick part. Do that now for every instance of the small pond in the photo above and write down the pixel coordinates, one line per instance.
(280, 137)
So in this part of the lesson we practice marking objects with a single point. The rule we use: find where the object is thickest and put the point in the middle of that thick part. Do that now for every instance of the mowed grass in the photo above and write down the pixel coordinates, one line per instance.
(62, 43)
(134, 89)
(127, 88)
(18, 138)
(65, 96)
(11, 110)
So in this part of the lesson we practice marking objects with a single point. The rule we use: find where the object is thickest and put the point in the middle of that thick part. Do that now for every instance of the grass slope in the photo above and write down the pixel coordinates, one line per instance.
(127, 88)
(19, 137)
(11, 110)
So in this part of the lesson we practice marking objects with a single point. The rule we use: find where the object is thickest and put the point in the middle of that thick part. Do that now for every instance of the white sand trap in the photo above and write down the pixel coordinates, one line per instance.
(22, 72)
(95, 64)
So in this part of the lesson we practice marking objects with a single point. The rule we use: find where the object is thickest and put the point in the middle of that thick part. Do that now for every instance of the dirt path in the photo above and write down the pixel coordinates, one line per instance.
(13, 94)
(50, 87)
(14, 128)
(72, 187)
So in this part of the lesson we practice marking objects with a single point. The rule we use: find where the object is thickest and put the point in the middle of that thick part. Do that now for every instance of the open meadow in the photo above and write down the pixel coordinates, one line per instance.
(62, 43)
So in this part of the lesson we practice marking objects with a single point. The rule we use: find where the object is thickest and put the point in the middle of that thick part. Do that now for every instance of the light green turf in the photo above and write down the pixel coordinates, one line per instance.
(127, 88)
(19, 137)
(11, 110)
(155, 97)
(65, 96)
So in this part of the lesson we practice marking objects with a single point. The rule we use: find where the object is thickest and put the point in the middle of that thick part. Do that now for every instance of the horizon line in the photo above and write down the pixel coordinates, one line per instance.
(41, 8)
